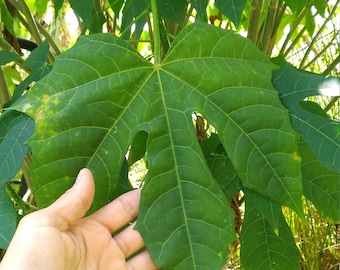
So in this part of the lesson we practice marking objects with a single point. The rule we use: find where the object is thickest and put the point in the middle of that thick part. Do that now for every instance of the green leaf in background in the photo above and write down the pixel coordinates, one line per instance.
(101, 93)
(138, 147)
(41, 6)
(93, 19)
(269, 209)
(320, 5)
(5, 18)
(8, 218)
(296, 5)
(220, 166)
(116, 5)
(310, 22)
(15, 130)
(132, 10)
(262, 248)
(233, 9)
(6, 57)
(172, 10)
(201, 8)
(57, 6)
(320, 184)
(36, 61)
(321, 133)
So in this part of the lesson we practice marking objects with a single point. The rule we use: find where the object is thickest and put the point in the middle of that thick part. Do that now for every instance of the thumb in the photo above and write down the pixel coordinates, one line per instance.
(75, 202)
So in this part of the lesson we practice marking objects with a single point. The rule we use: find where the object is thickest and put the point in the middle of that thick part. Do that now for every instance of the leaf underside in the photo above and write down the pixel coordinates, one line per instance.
(101, 93)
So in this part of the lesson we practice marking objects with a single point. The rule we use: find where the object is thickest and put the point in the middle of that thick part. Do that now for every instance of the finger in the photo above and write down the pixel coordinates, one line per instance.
(141, 261)
(75, 202)
(129, 240)
(119, 212)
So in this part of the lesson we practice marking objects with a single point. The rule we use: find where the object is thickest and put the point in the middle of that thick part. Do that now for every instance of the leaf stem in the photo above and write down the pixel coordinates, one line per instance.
(24, 206)
(156, 35)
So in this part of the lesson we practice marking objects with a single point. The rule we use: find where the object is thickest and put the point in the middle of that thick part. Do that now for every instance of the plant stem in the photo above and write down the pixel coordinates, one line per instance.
(316, 37)
(331, 104)
(254, 19)
(331, 66)
(295, 41)
(156, 35)
(281, 9)
(294, 27)
(318, 55)
(24, 206)
(268, 28)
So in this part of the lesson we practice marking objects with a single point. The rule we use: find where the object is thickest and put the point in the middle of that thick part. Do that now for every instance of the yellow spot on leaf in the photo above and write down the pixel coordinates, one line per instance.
(296, 157)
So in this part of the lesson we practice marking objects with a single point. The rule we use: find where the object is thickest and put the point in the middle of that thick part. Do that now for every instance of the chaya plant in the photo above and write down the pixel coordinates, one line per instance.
(102, 99)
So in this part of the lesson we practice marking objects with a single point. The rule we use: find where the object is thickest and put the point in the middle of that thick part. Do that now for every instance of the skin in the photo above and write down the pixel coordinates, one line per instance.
(58, 237)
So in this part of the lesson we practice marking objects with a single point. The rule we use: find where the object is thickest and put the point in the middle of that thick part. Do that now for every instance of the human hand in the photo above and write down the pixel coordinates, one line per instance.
(58, 237)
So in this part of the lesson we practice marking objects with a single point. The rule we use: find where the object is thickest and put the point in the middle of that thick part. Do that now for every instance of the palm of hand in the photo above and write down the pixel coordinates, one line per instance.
(57, 237)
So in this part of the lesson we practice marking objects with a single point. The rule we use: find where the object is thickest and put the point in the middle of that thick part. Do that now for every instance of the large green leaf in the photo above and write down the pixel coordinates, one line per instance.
(262, 248)
(321, 133)
(320, 184)
(101, 93)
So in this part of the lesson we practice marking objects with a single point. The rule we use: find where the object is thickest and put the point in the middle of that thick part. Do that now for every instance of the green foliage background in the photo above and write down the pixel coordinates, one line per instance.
(90, 105)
